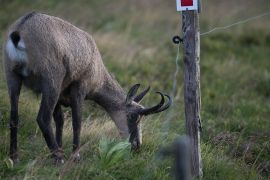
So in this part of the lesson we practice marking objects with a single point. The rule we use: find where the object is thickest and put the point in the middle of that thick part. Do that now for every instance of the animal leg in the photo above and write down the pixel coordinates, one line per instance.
(14, 88)
(76, 105)
(50, 95)
(59, 123)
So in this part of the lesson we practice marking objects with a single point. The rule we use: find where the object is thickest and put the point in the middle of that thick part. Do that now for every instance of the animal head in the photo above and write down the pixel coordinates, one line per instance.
(135, 112)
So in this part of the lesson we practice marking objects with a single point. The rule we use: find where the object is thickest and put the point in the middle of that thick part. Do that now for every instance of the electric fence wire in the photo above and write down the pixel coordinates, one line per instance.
(169, 116)
(236, 23)
(176, 71)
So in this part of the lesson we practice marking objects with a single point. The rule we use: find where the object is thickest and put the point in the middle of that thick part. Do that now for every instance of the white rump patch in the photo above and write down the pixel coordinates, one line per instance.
(16, 54)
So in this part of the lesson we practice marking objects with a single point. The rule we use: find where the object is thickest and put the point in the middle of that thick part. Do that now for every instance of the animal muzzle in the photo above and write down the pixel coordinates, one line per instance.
(135, 144)
(136, 139)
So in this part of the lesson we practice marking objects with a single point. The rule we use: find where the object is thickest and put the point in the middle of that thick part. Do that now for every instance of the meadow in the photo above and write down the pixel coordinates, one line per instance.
(134, 38)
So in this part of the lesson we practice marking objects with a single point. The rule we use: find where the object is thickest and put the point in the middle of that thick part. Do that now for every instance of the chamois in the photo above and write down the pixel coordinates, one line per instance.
(60, 61)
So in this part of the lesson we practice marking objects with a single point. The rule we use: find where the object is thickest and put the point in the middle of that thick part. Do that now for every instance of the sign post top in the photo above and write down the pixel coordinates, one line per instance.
(185, 5)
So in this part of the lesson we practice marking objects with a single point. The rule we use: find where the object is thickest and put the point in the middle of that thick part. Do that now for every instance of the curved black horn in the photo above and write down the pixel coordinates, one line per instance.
(153, 109)
(163, 108)
(132, 92)
(139, 97)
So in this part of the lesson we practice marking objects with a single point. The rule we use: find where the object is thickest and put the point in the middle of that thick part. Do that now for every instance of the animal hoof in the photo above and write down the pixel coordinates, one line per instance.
(15, 158)
(76, 157)
(58, 161)
(58, 157)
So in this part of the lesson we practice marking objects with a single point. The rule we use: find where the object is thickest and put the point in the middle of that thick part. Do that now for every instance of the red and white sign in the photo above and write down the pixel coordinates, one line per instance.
(185, 5)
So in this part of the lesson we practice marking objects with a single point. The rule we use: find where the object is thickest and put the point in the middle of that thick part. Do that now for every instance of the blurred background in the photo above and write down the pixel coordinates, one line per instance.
(134, 38)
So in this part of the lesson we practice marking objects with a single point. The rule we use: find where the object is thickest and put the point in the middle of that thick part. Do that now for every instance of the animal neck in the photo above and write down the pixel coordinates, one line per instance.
(112, 97)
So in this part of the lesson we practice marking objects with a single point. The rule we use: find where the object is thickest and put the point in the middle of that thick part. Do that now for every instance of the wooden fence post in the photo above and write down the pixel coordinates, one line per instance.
(192, 93)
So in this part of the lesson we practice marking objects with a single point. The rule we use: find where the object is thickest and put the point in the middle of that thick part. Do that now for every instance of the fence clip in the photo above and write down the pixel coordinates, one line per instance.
(177, 40)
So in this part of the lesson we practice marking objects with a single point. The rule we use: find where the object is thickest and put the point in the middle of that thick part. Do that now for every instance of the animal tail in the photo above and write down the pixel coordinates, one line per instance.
(15, 38)
(15, 47)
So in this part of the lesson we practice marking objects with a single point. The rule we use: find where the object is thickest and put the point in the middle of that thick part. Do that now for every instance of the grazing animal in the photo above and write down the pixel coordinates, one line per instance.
(63, 63)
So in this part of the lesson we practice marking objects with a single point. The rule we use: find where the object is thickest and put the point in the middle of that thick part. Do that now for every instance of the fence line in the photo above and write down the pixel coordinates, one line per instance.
(236, 23)
(207, 33)
(177, 59)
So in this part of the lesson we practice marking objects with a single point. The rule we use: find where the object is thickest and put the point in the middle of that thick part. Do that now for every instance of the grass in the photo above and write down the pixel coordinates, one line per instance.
(134, 38)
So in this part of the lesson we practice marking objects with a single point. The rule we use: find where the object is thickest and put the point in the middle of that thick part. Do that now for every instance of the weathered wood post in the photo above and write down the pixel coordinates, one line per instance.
(192, 92)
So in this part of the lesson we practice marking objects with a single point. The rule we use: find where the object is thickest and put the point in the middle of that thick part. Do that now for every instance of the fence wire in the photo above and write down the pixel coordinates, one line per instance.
(177, 59)
(236, 23)
(169, 116)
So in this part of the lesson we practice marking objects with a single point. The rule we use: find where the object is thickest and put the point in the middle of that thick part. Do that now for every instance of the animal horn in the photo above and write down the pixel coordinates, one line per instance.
(147, 111)
(132, 92)
(158, 108)
(139, 97)
(169, 103)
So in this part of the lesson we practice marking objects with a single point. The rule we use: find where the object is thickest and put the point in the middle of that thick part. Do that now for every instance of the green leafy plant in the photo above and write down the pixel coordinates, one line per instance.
(112, 152)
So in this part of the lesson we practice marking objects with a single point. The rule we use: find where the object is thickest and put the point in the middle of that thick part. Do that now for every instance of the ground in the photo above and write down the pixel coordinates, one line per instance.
(134, 38)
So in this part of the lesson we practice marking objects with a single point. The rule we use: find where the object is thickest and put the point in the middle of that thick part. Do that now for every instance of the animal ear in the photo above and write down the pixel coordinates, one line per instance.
(131, 93)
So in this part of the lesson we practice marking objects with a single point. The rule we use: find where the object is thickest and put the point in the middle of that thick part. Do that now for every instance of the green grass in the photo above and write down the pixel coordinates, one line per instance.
(134, 38)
